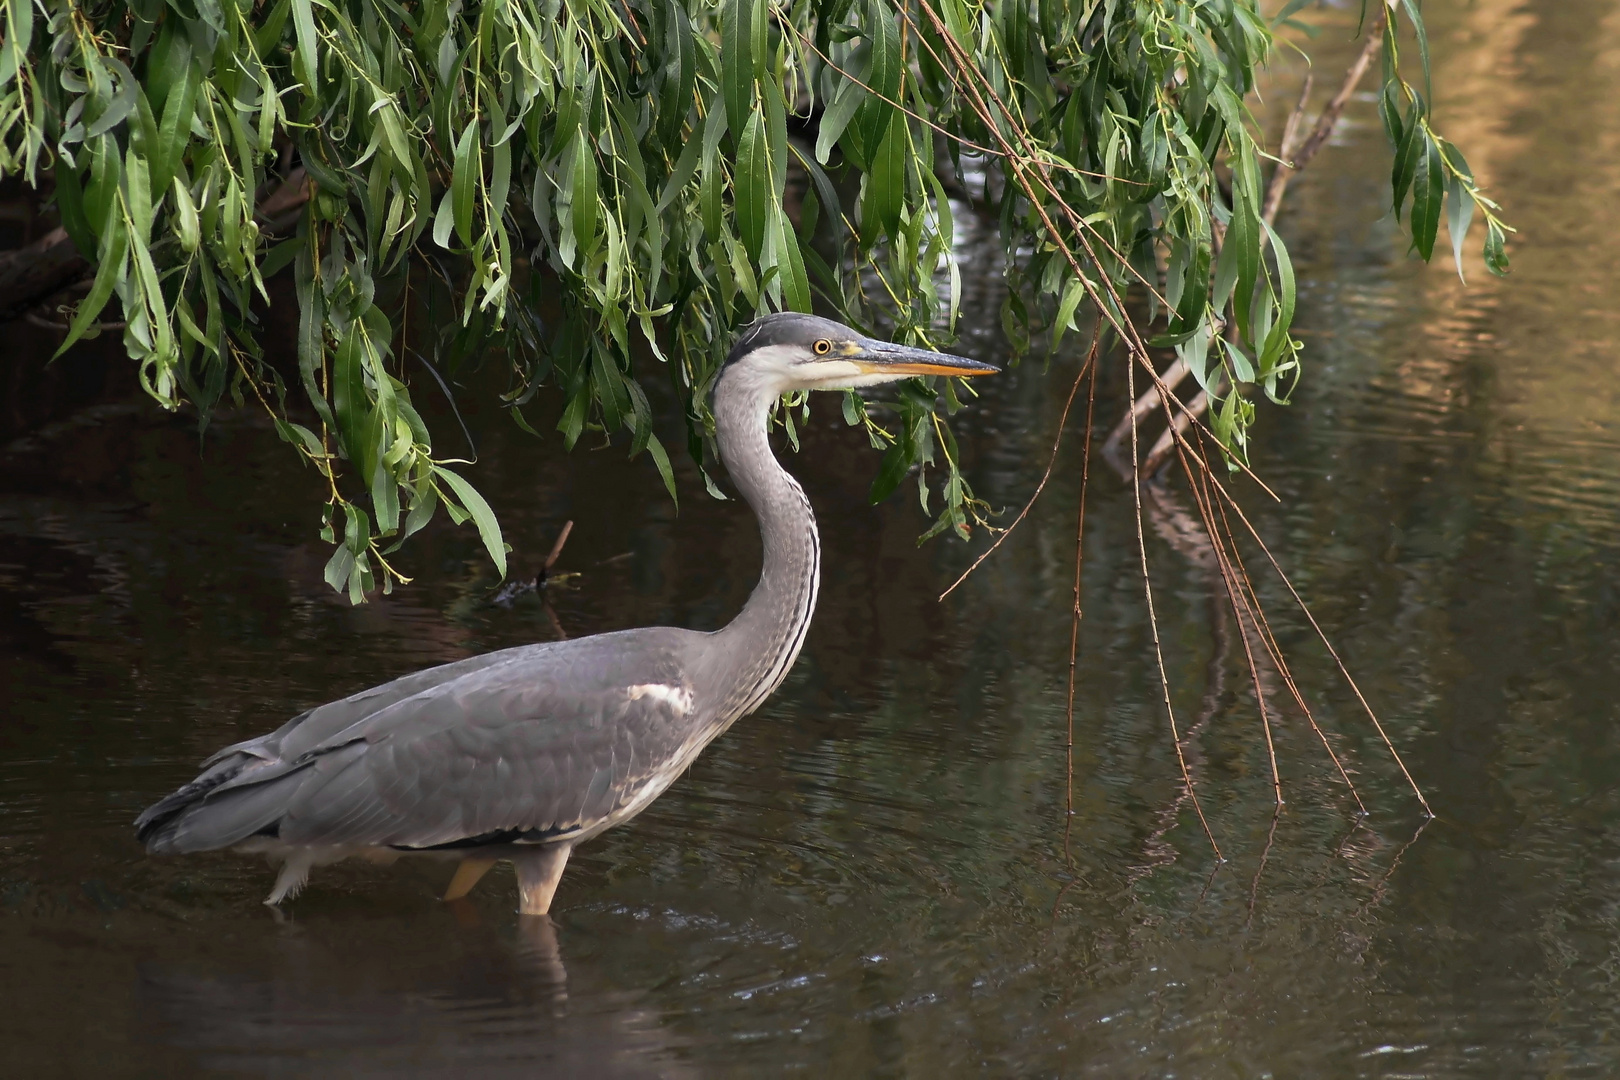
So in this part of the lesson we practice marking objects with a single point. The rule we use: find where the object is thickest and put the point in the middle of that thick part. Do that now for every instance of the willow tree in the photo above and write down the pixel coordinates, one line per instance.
(653, 173)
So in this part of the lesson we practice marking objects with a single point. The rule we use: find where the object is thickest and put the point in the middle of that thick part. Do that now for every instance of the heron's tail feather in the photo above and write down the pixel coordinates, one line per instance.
(238, 798)
(222, 821)
(155, 820)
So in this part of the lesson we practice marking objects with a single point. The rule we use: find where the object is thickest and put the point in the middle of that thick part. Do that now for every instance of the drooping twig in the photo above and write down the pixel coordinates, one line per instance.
(1144, 405)
(1112, 311)
(1153, 623)
(1322, 636)
(1074, 621)
(1063, 424)
(1224, 561)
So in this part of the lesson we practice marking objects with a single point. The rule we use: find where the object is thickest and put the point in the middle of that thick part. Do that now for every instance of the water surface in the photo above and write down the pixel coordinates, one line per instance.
(869, 876)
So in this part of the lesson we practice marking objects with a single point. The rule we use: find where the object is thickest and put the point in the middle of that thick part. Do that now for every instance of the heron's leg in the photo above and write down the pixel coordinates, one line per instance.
(538, 872)
(467, 875)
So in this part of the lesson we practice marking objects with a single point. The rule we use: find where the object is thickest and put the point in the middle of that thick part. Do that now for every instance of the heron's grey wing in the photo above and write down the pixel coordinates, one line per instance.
(314, 726)
(517, 750)
(502, 764)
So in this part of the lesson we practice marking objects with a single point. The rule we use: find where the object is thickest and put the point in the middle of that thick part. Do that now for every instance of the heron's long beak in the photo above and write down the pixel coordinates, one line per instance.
(885, 358)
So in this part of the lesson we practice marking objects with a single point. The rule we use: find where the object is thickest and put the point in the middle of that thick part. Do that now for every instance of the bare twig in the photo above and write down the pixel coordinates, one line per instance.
(1074, 623)
(556, 548)
(1063, 423)
(1144, 405)
(1153, 623)
(1322, 636)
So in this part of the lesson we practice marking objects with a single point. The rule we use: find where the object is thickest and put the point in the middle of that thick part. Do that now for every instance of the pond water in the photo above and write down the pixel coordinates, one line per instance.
(869, 876)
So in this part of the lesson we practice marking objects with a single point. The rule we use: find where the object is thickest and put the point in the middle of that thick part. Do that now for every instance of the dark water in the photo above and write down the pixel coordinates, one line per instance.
(868, 877)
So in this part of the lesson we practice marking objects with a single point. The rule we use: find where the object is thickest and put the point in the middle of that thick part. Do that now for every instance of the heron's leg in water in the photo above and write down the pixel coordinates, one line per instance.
(467, 875)
(538, 872)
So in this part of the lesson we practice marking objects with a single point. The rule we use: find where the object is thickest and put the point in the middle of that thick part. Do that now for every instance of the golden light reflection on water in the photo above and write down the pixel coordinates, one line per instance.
(1525, 366)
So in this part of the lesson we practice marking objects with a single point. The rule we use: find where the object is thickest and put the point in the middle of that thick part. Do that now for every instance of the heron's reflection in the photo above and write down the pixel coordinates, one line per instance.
(490, 998)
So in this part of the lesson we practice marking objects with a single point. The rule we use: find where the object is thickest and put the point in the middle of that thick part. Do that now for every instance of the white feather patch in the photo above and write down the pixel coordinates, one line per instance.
(678, 698)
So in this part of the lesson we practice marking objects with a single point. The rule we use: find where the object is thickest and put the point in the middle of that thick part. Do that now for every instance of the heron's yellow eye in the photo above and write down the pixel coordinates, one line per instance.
(823, 347)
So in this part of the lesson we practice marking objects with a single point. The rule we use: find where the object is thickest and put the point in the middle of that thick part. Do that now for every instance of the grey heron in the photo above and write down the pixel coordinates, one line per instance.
(523, 753)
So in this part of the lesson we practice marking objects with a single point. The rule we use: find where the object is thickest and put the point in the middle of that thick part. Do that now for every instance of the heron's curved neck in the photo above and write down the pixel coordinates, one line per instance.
(762, 642)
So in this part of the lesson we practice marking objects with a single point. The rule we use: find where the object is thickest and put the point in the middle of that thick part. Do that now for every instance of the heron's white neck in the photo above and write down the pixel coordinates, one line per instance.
(761, 643)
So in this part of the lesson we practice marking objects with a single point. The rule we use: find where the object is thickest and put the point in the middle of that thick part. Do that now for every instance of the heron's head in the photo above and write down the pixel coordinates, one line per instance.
(790, 351)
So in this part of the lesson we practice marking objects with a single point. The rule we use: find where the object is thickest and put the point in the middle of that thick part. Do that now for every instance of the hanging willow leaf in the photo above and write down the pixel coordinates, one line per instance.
(440, 174)
(753, 184)
(1428, 189)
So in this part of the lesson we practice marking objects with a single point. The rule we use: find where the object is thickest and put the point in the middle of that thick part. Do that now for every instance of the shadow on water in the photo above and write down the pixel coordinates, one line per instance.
(868, 875)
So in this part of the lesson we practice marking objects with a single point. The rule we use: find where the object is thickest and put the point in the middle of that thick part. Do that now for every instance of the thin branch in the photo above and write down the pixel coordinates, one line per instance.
(1144, 405)
(1063, 424)
(1153, 623)
(1343, 670)
(1171, 437)
(1074, 623)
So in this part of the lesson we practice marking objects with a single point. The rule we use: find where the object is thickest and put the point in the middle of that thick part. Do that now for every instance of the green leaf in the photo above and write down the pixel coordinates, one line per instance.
(878, 109)
(70, 207)
(110, 269)
(790, 263)
(1195, 289)
(1407, 155)
(1415, 15)
(885, 192)
(186, 224)
(385, 500)
(582, 190)
(306, 59)
(174, 133)
(338, 568)
(465, 178)
(661, 459)
(1288, 9)
(1073, 293)
(737, 60)
(713, 181)
(837, 117)
(126, 98)
(753, 185)
(1459, 216)
(351, 405)
(1496, 259)
(896, 463)
(1427, 193)
(1277, 341)
(427, 501)
(489, 530)
(444, 222)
